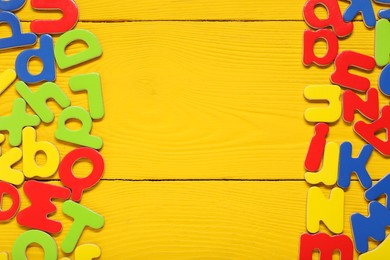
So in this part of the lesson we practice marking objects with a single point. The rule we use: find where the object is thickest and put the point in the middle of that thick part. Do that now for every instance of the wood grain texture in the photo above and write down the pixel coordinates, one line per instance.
(196, 220)
(204, 100)
(135, 10)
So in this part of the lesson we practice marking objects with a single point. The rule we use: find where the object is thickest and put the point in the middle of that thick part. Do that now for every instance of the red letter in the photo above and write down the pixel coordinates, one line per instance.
(70, 16)
(309, 40)
(343, 78)
(6, 188)
(77, 185)
(326, 245)
(40, 195)
(368, 131)
(316, 149)
(352, 102)
(334, 20)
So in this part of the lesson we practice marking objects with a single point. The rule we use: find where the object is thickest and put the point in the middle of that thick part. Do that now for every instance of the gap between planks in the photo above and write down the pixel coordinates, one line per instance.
(193, 20)
(197, 180)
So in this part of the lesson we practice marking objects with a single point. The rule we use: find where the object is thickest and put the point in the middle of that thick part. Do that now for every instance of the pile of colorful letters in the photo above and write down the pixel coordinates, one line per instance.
(349, 93)
(38, 218)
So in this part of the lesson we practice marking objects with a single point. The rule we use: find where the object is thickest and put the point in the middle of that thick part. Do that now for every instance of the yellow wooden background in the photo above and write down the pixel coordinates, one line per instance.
(204, 132)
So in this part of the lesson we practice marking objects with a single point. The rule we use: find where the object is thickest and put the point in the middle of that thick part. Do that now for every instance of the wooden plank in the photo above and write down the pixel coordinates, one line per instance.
(204, 100)
(131, 10)
(204, 220)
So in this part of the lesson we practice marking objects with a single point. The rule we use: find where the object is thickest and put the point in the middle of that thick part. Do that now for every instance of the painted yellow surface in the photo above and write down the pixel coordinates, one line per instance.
(211, 100)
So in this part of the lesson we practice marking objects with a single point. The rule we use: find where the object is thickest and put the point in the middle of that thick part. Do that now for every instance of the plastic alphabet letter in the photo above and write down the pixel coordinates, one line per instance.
(309, 40)
(317, 146)
(81, 136)
(40, 195)
(94, 49)
(34, 236)
(37, 100)
(329, 93)
(15, 122)
(92, 84)
(384, 78)
(329, 211)
(349, 165)
(326, 244)
(18, 39)
(6, 79)
(381, 187)
(368, 131)
(373, 226)
(46, 54)
(342, 77)
(86, 252)
(365, 8)
(30, 148)
(334, 20)
(382, 42)
(8, 159)
(83, 217)
(383, 13)
(13, 5)
(78, 185)
(379, 253)
(330, 166)
(6, 188)
(352, 102)
(69, 19)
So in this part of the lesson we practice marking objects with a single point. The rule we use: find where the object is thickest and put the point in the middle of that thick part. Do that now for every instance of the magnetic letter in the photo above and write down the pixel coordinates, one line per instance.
(373, 226)
(352, 102)
(13, 5)
(37, 100)
(70, 16)
(83, 217)
(365, 8)
(6, 79)
(380, 252)
(384, 85)
(40, 195)
(94, 49)
(6, 188)
(81, 136)
(381, 187)
(334, 20)
(382, 42)
(309, 40)
(368, 131)
(15, 122)
(34, 236)
(341, 75)
(30, 149)
(329, 93)
(92, 84)
(317, 146)
(46, 54)
(349, 165)
(330, 166)
(18, 39)
(78, 185)
(329, 211)
(8, 174)
(383, 13)
(326, 245)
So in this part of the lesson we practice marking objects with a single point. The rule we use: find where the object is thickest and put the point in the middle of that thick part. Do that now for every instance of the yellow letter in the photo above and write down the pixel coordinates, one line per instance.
(31, 148)
(329, 93)
(329, 211)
